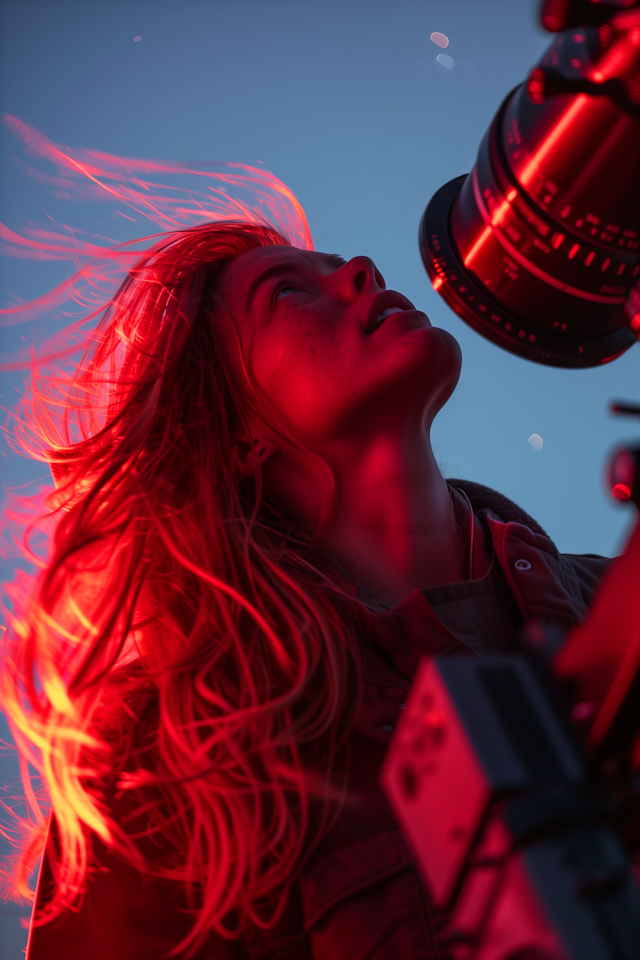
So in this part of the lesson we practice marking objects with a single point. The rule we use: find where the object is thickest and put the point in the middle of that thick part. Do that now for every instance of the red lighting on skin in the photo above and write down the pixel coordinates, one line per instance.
(621, 491)
(437, 283)
(547, 144)
(496, 219)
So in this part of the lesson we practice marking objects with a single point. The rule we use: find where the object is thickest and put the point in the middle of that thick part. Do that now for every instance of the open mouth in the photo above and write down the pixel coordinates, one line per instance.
(383, 307)
(380, 319)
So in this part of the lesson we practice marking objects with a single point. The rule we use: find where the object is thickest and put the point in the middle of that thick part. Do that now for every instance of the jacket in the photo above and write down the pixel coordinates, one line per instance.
(359, 897)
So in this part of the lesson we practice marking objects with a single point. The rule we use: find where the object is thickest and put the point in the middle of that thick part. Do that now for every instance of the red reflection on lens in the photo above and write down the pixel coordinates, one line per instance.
(560, 128)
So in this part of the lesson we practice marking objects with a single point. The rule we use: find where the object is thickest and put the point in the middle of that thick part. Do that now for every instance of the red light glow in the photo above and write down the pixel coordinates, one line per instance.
(484, 236)
(621, 491)
(560, 128)
(132, 182)
(621, 56)
(496, 219)
(437, 283)
(154, 195)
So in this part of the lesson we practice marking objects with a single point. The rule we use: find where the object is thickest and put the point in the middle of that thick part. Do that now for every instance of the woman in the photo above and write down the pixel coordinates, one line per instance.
(253, 549)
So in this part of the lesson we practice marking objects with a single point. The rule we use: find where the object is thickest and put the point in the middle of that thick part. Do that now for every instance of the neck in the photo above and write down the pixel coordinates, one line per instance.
(390, 526)
(393, 520)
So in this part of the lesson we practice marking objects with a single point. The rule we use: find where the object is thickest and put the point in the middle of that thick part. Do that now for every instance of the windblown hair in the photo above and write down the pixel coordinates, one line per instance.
(182, 654)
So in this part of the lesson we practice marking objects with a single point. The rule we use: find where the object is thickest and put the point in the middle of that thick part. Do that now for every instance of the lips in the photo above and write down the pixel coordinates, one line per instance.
(383, 306)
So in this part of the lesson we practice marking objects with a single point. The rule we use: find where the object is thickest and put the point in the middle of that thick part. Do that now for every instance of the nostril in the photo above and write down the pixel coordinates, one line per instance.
(360, 279)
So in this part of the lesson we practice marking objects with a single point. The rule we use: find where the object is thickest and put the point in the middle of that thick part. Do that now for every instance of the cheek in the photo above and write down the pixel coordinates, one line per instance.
(301, 370)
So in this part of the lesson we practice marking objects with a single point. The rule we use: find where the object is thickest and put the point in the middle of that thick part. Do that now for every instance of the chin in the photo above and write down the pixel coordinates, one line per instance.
(438, 367)
(447, 339)
(441, 351)
(421, 376)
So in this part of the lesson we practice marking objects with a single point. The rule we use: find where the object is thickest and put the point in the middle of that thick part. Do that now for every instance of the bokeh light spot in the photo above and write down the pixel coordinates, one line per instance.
(421, 70)
(137, 39)
(440, 39)
(621, 491)
(536, 441)
(445, 62)
(464, 67)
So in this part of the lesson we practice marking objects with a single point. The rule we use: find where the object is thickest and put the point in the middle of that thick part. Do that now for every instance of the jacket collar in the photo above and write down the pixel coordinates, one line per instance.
(534, 571)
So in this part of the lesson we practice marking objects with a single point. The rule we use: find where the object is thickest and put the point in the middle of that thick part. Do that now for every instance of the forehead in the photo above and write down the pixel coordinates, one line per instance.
(241, 273)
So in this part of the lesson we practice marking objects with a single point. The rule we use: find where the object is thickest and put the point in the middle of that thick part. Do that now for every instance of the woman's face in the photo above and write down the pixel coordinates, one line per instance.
(332, 348)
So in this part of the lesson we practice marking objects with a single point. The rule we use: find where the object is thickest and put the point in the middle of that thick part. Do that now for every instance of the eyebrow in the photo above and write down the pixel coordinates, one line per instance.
(335, 259)
(270, 272)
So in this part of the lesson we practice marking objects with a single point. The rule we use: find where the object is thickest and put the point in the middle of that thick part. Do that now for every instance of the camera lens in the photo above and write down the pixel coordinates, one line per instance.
(538, 247)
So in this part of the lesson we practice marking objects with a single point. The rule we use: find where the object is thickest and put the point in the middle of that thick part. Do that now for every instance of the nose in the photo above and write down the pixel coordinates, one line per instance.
(361, 276)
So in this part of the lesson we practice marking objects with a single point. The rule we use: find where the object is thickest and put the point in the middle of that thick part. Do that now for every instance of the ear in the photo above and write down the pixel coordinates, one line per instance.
(243, 453)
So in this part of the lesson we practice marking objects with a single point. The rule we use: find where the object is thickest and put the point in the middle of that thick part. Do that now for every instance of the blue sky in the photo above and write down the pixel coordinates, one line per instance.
(326, 93)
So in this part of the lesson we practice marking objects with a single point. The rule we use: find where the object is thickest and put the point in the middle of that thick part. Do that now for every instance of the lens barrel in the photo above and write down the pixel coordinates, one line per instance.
(538, 248)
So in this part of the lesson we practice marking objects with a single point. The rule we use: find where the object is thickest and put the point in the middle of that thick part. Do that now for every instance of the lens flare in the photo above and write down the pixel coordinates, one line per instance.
(445, 62)
(440, 39)
(419, 69)
(465, 68)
